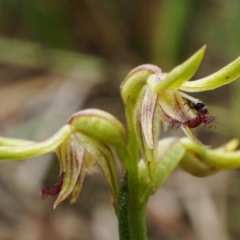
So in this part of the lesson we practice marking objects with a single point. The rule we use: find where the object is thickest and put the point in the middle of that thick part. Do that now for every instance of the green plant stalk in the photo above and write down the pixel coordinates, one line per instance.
(136, 218)
(123, 210)
(142, 219)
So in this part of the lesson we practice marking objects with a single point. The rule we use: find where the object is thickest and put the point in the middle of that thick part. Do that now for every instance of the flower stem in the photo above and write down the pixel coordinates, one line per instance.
(123, 210)
(136, 217)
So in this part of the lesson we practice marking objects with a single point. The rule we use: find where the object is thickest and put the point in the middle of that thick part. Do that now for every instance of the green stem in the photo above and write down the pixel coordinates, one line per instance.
(123, 210)
(138, 229)
(142, 219)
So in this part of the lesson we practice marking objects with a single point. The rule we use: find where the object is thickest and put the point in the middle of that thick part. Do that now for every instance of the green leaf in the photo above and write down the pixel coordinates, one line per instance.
(181, 73)
(224, 76)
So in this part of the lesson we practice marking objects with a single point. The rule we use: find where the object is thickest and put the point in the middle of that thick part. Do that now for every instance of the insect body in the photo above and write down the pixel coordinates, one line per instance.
(194, 103)
(201, 118)
(197, 105)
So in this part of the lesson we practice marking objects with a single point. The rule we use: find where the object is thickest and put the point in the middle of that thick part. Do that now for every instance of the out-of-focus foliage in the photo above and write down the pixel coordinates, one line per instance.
(57, 57)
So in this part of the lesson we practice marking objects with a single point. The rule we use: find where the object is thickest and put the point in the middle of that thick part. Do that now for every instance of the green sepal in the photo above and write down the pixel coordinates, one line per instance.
(181, 73)
(16, 151)
(71, 155)
(169, 154)
(102, 155)
(217, 159)
(224, 76)
(136, 79)
(195, 166)
(99, 125)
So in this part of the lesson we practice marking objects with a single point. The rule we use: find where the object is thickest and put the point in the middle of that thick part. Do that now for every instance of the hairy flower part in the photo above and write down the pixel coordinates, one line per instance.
(203, 119)
(55, 190)
(78, 156)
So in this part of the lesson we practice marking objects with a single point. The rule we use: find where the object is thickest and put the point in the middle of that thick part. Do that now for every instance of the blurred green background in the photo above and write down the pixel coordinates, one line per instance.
(57, 57)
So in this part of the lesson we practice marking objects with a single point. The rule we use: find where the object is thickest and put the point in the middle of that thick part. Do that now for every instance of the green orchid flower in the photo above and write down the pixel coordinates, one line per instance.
(160, 102)
(154, 102)
(80, 145)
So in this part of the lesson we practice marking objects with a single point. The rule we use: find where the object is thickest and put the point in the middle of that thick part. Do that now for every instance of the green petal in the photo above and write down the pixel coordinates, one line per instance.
(78, 187)
(195, 166)
(224, 76)
(181, 73)
(170, 152)
(230, 146)
(104, 158)
(150, 118)
(147, 152)
(70, 154)
(172, 104)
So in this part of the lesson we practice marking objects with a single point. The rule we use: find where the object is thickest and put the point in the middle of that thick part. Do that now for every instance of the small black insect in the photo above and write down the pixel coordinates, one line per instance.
(197, 105)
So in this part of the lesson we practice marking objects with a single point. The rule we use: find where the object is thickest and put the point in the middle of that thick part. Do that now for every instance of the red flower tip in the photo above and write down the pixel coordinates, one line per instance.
(53, 191)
